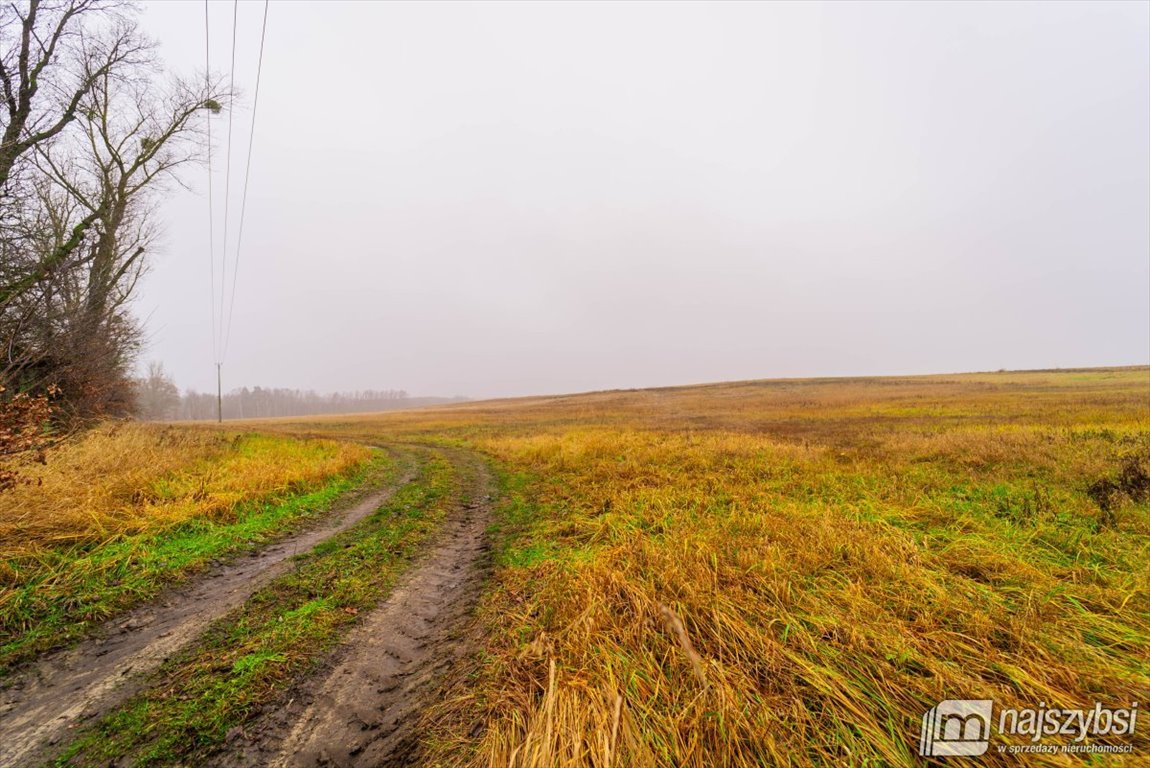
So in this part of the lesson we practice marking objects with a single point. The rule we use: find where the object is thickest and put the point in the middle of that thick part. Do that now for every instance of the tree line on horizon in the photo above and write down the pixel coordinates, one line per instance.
(263, 402)
(159, 399)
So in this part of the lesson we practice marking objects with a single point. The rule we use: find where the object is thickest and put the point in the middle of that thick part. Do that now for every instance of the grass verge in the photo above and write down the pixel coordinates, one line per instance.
(121, 479)
(56, 595)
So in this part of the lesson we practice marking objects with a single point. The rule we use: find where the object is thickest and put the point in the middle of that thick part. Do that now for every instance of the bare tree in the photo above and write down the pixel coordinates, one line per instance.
(132, 135)
(92, 133)
(157, 397)
(46, 48)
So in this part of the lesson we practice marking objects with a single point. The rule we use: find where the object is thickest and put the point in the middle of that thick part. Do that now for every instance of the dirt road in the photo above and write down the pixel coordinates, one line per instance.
(42, 704)
(360, 708)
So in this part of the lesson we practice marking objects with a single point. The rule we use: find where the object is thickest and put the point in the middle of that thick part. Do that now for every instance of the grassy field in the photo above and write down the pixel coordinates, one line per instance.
(744, 574)
(793, 572)
(126, 510)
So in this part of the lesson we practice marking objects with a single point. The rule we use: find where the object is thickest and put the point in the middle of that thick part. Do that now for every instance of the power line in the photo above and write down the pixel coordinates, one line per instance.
(228, 182)
(247, 176)
(211, 208)
(222, 328)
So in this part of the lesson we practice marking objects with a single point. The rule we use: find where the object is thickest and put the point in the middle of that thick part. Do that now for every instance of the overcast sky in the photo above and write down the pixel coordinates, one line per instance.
(507, 199)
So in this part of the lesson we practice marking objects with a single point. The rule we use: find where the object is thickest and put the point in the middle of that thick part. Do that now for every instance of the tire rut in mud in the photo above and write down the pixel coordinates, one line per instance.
(361, 708)
(42, 703)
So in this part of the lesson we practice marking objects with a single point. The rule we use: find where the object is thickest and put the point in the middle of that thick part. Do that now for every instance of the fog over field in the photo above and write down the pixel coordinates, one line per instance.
(506, 199)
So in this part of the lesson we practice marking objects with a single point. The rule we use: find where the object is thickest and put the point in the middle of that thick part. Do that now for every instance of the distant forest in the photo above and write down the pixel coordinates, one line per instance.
(258, 402)
(158, 399)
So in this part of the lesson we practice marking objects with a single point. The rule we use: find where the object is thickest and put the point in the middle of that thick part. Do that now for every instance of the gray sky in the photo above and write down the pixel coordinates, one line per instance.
(521, 198)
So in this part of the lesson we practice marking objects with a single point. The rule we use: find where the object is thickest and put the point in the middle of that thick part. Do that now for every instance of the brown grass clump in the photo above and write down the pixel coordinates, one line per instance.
(23, 433)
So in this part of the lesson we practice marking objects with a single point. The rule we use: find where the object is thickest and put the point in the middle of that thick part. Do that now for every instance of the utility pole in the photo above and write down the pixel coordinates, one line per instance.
(219, 396)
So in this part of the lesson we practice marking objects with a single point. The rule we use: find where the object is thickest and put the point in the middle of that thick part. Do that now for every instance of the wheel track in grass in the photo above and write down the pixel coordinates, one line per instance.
(43, 702)
(361, 708)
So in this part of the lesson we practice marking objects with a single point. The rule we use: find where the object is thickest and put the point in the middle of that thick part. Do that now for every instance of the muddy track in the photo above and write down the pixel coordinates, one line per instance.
(41, 704)
(362, 707)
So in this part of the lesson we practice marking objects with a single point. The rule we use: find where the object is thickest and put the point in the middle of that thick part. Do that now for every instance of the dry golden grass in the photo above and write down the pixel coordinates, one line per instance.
(792, 572)
(125, 510)
(123, 479)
